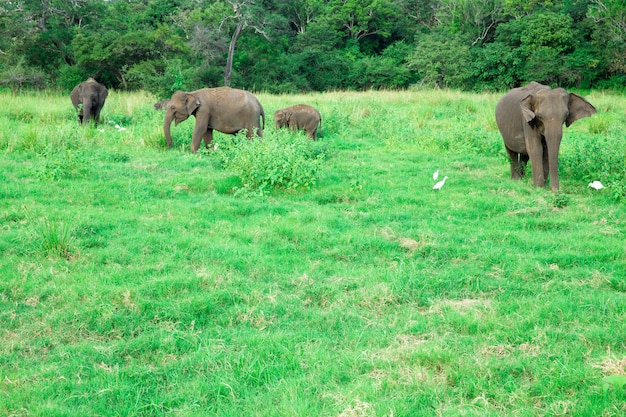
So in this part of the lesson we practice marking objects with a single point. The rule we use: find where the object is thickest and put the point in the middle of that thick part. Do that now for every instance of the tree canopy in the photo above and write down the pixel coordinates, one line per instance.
(312, 45)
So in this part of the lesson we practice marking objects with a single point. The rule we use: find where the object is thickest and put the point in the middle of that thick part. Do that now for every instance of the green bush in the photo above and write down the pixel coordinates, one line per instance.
(279, 160)
(597, 159)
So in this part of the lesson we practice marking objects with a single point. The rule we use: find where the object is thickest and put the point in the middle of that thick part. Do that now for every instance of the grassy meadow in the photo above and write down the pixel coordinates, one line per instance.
(137, 280)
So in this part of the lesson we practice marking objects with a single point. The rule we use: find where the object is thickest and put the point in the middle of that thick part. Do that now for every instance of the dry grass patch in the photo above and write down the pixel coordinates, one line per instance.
(612, 365)
(462, 306)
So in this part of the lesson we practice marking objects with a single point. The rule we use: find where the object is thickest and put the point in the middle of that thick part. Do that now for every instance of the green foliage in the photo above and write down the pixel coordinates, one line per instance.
(390, 70)
(20, 75)
(588, 159)
(63, 165)
(277, 161)
(441, 60)
(312, 45)
(560, 200)
(70, 77)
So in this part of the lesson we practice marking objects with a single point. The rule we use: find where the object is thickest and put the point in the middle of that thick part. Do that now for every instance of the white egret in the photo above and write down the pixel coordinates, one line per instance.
(440, 184)
(436, 175)
(596, 184)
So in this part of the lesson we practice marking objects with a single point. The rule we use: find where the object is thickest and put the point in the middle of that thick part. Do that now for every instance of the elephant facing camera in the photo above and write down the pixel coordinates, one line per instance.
(530, 120)
(88, 99)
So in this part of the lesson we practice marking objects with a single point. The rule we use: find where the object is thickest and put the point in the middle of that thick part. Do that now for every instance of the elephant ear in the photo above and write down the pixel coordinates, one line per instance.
(527, 106)
(578, 108)
(191, 103)
(75, 96)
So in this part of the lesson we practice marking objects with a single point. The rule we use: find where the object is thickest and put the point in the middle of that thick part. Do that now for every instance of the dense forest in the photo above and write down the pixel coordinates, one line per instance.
(312, 45)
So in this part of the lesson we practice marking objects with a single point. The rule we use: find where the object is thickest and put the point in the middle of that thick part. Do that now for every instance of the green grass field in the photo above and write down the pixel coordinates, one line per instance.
(136, 280)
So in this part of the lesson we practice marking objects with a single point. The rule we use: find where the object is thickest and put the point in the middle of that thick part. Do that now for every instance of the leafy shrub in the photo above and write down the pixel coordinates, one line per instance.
(560, 200)
(277, 161)
(596, 159)
(67, 164)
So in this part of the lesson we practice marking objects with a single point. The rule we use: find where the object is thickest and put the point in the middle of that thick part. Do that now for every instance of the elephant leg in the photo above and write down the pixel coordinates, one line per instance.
(523, 163)
(536, 162)
(96, 115)
(546, 164)
(517, 170)
(208, 138)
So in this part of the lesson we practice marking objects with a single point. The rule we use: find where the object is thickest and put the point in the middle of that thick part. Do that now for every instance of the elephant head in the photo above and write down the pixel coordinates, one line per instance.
(178, 109)
(281, 118)
(161, 104)
(531, 120)
(88, 98)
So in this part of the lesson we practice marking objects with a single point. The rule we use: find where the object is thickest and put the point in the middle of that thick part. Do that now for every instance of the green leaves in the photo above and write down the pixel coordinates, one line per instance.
(277, 161)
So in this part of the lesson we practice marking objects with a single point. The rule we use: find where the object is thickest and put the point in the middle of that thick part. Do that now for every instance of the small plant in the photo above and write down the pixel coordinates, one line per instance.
(65, 164)
(560, 200)
(53, 238)
(278, 161)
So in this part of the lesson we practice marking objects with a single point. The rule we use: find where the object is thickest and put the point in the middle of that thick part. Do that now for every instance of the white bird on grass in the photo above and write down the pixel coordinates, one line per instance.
(596, 184)
(440, 184)
(436, 175)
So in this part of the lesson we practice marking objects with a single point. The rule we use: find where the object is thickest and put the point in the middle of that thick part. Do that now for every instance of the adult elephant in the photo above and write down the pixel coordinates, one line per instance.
(530, 119)
(88, 98)
(299, 117)
(224, 109)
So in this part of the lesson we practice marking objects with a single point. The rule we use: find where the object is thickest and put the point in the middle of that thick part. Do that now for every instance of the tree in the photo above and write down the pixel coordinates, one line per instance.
(610, 19)
(475, 18)
(360, 19)
(301, 13)
(442, 60)
(244, 12)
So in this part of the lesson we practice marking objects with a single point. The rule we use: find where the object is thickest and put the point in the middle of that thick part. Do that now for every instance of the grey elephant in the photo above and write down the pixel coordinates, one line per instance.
(161, 104)
(225, 109)
(531, 119)
(88, 98)
(299, 117)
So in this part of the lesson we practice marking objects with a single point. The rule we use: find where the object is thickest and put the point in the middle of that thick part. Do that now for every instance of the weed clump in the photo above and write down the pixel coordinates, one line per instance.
(53, 239)
(277, 161)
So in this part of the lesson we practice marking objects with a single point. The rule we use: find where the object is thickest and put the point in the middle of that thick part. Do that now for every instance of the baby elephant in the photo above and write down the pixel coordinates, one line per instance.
(88, 98)
(299, 117)
(161, 105)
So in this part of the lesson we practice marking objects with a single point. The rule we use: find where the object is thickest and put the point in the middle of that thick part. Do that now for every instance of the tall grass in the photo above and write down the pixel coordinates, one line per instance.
(137, 281)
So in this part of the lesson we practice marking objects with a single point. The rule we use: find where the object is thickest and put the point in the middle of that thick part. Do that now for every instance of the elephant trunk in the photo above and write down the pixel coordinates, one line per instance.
(553, 142)
(86, 112)
(167, 122)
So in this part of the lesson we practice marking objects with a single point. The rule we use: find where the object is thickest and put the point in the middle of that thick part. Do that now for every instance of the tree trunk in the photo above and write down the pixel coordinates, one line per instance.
(231, 52)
